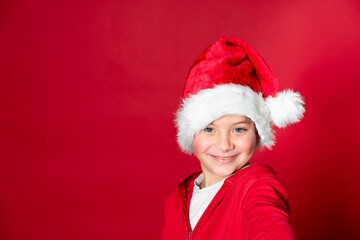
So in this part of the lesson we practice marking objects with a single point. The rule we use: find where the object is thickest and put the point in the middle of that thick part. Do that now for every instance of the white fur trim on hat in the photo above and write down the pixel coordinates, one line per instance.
(199, 110)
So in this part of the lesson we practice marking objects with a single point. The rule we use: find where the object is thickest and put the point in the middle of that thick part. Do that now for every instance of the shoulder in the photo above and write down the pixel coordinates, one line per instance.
(255, 173)
(182, 189)
(260, 169)
(262, 175)
(259, 180)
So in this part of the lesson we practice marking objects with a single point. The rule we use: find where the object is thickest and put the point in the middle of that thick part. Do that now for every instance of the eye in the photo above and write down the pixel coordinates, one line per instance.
(239, 129)
(208, 129)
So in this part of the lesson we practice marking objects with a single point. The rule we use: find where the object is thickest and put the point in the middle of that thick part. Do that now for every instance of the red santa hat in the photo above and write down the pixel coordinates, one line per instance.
(230, 78)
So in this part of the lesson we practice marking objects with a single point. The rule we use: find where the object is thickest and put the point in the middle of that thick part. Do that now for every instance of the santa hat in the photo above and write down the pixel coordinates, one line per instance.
(230, 78)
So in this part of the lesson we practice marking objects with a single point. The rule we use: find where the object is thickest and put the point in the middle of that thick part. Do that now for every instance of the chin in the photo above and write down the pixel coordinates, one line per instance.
(225, 172)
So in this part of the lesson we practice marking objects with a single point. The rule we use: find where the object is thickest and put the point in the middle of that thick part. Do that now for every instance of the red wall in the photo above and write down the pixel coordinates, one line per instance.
(88, 92)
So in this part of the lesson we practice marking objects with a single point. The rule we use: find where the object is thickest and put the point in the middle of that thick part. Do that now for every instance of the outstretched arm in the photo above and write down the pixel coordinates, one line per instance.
(266, 211)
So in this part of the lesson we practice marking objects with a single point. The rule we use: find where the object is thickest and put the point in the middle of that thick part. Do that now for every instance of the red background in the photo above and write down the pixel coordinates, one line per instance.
(88, 92)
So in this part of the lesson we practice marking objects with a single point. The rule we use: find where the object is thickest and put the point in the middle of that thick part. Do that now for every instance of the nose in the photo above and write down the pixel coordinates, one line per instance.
(224, 143)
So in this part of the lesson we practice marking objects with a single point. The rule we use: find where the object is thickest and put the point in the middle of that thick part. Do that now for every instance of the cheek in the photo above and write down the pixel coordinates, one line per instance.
(201, 144)
(247, 143)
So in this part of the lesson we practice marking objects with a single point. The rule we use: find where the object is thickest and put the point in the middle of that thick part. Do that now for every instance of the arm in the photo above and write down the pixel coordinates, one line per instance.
(266, 211)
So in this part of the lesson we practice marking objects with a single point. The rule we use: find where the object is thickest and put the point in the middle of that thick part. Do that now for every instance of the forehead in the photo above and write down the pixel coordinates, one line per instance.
(232, 119)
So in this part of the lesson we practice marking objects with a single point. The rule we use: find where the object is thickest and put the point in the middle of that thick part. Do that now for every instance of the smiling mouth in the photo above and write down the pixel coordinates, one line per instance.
(224, 159)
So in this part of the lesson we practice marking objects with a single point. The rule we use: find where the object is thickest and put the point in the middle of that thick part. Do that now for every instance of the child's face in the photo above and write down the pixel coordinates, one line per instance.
(225, 146)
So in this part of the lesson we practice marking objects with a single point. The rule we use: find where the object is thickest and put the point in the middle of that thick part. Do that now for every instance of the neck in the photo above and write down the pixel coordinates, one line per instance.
(210, 181)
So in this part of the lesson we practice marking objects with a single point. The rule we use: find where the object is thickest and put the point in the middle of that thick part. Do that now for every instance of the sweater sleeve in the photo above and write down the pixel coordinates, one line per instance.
(266, 211)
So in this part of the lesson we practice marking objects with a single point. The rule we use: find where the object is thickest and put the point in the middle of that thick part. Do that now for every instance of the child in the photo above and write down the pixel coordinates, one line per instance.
(230, 103)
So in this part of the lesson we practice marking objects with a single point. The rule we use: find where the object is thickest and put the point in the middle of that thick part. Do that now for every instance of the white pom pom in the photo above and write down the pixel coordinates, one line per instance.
(286, 108)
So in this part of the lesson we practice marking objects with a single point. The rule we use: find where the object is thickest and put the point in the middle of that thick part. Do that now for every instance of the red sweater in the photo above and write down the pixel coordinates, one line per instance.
(251, 204)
